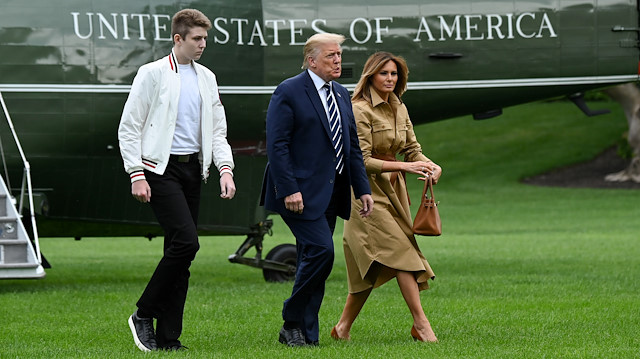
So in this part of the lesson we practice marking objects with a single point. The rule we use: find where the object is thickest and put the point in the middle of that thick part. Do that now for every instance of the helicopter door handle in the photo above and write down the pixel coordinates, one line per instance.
(445, 55)
(619, 28)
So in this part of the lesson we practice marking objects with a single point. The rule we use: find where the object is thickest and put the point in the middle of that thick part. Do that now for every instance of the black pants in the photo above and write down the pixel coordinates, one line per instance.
(314, 242)
(175, 200)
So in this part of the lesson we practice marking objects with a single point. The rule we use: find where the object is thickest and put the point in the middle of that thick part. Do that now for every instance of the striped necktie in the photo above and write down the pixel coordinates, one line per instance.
(334, 125)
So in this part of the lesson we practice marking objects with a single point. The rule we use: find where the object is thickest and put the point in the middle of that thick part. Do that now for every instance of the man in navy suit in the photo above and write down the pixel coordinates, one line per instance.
(312, 168)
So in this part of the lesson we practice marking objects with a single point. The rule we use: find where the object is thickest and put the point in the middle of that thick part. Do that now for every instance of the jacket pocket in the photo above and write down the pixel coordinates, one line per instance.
(380, 126)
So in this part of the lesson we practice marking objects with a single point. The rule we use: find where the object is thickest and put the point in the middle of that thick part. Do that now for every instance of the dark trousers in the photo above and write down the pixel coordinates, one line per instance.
(175, 200)
(314, 243)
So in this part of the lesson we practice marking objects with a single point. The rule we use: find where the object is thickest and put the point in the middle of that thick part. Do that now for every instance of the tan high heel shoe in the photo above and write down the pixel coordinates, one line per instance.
(334, 335)
(416, 336)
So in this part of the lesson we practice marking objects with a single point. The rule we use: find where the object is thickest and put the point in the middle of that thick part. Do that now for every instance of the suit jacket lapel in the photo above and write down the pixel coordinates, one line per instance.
(344, 121)
(317, 103)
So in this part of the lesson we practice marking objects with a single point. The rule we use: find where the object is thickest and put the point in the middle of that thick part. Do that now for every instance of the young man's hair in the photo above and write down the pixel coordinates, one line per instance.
(186, 19)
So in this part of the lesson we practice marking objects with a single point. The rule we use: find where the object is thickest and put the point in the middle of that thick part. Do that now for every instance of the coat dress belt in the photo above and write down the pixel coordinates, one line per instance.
(394, 174)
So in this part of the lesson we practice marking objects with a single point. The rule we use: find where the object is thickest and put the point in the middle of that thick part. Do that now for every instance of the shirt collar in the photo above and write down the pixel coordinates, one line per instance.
(377, 100)
(317, 81)
(173, 61)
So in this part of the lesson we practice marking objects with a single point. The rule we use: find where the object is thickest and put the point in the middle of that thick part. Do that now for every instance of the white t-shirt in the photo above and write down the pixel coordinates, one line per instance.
(188, 133)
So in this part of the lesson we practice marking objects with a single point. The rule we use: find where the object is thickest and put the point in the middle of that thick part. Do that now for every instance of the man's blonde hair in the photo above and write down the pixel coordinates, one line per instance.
(312, 46)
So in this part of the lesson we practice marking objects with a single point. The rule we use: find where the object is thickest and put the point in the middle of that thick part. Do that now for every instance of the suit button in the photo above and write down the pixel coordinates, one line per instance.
(330, 181)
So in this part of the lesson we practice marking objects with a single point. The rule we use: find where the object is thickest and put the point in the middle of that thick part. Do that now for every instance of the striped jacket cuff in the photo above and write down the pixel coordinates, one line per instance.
(137, 176)
(225, 169)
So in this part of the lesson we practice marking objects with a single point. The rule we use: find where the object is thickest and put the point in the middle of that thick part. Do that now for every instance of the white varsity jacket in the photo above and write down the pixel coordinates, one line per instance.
(149, 117)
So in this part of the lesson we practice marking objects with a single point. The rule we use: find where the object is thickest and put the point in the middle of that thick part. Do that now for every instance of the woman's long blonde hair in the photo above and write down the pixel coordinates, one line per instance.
(373, 65)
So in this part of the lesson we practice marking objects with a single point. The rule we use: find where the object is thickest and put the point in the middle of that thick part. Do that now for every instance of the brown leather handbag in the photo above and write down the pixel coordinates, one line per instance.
(427, 221)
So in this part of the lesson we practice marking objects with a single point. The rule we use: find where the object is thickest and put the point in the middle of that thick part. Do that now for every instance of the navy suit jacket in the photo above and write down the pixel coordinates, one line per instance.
(301, 155)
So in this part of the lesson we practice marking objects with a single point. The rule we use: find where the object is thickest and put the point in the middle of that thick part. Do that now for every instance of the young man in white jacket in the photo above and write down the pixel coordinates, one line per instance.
(173, 129)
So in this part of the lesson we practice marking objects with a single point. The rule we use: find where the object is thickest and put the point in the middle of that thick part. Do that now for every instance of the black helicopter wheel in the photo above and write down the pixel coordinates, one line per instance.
(283, 253)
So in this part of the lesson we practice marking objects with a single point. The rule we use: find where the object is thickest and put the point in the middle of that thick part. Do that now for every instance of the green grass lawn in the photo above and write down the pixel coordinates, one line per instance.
(522, 271)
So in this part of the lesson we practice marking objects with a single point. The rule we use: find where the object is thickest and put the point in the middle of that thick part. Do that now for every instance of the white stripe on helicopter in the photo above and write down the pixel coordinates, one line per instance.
(267, 90)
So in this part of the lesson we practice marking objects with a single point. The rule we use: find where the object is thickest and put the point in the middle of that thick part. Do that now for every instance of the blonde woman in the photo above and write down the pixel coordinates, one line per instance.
(382, 246)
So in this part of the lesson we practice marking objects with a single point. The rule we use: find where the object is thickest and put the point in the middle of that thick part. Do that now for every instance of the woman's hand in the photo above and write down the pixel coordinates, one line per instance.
(437, 172)
(424, 169)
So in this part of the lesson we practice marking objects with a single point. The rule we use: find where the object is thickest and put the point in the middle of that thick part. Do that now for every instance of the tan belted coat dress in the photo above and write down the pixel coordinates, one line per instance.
(385, 237)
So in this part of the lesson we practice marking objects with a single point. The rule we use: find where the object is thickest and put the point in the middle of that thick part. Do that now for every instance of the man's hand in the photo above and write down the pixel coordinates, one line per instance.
(141, 191)
(367, 205)
(293, 202)
(227, 186)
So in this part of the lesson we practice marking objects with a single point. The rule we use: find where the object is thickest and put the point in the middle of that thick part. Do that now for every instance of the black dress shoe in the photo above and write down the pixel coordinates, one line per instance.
(177, 347)
(143, 334)
(292, 337)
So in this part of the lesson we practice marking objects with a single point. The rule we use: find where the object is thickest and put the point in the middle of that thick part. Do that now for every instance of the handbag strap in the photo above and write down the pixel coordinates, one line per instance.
(428, 184)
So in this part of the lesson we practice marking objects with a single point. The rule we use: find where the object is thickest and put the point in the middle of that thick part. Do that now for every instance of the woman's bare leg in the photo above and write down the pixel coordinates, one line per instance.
(411, 293)
(352, 308)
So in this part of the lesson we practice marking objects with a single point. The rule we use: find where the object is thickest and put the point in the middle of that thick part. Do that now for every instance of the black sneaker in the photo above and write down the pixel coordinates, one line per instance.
(292, 337)
(143, 334)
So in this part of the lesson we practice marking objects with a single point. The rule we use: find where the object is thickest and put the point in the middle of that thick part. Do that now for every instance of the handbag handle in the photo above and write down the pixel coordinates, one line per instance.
(428, 183)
